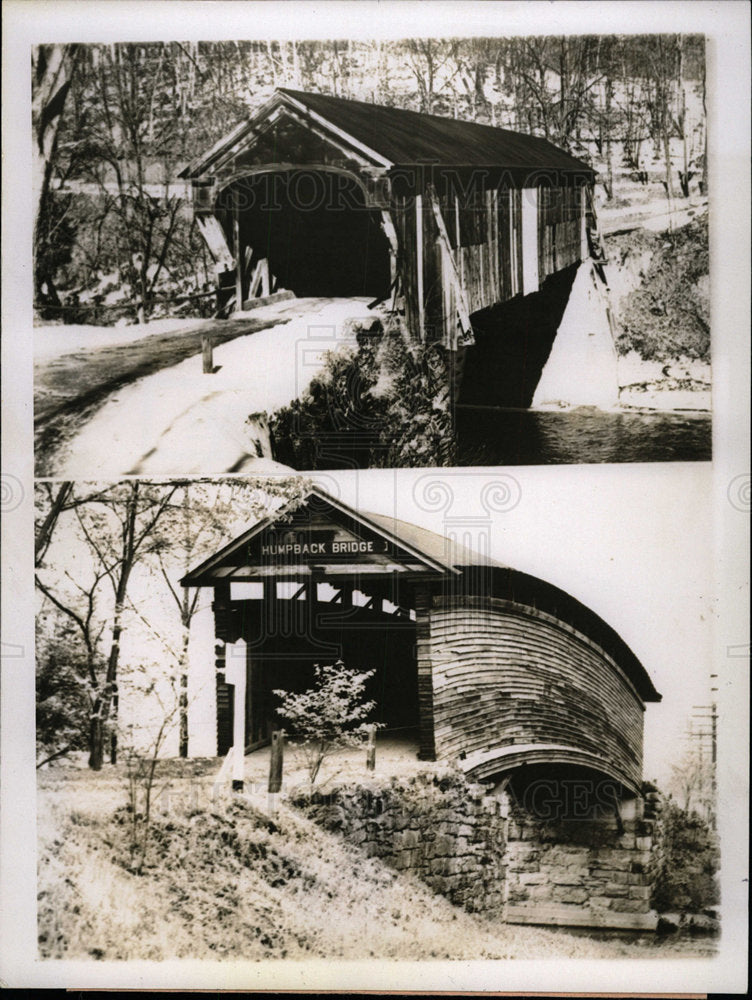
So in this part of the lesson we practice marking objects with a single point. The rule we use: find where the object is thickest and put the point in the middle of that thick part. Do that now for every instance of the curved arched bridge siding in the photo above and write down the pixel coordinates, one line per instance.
(506, 675)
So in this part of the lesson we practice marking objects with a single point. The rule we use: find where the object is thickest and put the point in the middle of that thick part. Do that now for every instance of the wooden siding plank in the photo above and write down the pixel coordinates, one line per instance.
(502, 676)
(214, 236)
(419, 265)
(463, 311)
(390, 232)
(424, 664)
(530, 282)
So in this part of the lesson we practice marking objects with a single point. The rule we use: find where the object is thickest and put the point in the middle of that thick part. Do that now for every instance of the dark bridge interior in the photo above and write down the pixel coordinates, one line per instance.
(288, 638)
(315, 231)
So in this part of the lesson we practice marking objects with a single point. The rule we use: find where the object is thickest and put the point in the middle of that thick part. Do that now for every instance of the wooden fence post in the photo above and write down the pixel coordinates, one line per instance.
(371, 752)
(207, 354)
(276, 761)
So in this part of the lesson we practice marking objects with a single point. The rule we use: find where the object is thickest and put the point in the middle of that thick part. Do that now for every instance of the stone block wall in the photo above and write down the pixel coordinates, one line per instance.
(487, 853)
(583, 872)
(445, 830)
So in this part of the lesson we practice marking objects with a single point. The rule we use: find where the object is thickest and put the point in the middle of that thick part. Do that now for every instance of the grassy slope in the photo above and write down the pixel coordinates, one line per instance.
(223, 882)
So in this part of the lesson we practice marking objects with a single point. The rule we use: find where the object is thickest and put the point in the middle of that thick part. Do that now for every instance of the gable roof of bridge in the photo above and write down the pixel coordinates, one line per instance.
(396, 137)
(417, 551)
(481, 574)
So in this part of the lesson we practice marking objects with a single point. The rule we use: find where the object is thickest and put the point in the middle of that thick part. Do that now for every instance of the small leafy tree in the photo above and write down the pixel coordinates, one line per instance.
(330, 715)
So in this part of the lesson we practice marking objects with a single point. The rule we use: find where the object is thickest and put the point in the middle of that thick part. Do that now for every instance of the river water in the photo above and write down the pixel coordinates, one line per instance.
(490, 436)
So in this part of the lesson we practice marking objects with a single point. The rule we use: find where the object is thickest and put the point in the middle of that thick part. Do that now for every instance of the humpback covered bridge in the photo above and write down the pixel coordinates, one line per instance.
(471, 233)
(516, 682)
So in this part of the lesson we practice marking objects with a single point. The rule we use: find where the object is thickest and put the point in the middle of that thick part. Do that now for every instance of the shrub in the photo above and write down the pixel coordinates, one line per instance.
(62, 705)
(330, 715)
(687, 881)
(379, 406)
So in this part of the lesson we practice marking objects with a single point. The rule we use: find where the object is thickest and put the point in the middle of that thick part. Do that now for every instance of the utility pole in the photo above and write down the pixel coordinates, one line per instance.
(702, 734)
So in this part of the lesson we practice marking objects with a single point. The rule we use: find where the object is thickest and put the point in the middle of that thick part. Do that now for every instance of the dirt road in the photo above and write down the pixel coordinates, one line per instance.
(70, 388)
(147, 408)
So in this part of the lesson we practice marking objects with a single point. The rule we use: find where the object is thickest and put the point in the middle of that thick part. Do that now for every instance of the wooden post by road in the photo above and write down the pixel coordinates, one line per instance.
(276, 761)
(371, 752)
(207, 354)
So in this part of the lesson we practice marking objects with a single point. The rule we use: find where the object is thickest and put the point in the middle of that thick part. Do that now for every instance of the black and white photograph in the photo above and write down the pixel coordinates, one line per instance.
(326, 254)
(438, 749)
(375, 496)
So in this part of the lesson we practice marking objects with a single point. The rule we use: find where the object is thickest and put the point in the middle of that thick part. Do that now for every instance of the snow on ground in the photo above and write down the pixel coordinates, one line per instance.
(180, 421)
(681, 384)
(654, 215)
(54, 341)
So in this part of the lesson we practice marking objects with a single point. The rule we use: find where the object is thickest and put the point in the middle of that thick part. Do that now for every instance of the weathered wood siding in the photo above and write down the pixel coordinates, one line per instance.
(403, 215)
(485, 233)
(560, 212)
(423, 646)
(504, 675)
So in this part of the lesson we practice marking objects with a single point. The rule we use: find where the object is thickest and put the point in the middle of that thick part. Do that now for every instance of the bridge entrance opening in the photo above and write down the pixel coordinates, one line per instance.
(313, 228)
(297, 625)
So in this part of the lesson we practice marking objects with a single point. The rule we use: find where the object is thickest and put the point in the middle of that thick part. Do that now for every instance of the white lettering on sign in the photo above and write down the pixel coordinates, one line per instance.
(352, 547)
(316, 548)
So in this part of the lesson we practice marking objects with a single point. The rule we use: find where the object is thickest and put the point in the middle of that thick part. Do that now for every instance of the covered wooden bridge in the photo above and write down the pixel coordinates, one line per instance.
(446, 220)
(489, 667)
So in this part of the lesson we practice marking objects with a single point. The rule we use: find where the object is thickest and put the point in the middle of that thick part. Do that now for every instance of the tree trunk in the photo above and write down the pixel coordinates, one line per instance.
(113, 733)
(53, 70)
(44, 533)
(669, 181)
(183, 702)
(96, 739)
(110, 700)
(609, 154)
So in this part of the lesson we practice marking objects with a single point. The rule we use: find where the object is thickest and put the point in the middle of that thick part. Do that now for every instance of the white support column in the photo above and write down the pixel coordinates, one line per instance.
(236, 669)
(529, 240)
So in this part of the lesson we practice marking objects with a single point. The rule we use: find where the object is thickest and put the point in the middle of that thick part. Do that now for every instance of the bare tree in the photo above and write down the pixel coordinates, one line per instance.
(53, 68)
(692, 782)
(661, 56)
(197, 523)
(433, 63)
(116, 524)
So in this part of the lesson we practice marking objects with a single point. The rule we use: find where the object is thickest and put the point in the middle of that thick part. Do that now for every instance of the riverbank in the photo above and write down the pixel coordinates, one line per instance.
(682, 384)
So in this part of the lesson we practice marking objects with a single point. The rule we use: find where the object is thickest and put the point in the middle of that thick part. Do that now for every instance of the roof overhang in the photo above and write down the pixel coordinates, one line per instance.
(244, 133)
(321, 538)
